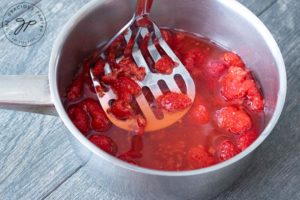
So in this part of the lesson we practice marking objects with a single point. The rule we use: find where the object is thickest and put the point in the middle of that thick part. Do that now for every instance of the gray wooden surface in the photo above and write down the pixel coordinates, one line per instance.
(37, 161)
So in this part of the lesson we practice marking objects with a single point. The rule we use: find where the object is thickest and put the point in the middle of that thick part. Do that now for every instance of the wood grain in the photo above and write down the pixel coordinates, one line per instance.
(35, 155)
(258, 7)
(37, 162)
(79, 187)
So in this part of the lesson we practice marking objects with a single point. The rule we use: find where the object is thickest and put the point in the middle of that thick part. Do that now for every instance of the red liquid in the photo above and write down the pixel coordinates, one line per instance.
(181, 146)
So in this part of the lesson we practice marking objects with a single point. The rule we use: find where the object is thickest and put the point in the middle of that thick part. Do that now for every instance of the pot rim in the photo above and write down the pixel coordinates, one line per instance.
(237, 7)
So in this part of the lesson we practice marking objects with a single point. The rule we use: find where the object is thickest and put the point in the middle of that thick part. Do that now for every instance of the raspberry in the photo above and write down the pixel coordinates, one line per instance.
(105, 143)
(98, 68)
(178, 40)
(193, 59)
(232, 83)
(232, 59)
(233, 120)
(199, 114)
(75, 90)
(215, 68)
(100, 122)
(100, 90)
(239, 84)
(125, 88)
(111, 77)
(173, 102)
(168, 37)
(246, 139)
(131, 70)
(79, 118)
(121, 110)
(226, 150)
(198, 157)
(165, 65)
(254, 100)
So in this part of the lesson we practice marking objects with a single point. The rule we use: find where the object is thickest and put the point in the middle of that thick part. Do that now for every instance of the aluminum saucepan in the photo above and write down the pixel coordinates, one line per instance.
(225, 22)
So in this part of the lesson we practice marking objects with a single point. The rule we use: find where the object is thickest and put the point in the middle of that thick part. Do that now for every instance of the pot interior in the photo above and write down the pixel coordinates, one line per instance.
(212, 19)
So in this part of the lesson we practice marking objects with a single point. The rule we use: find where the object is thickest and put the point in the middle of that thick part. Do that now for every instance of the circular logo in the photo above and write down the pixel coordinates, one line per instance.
(24, 24)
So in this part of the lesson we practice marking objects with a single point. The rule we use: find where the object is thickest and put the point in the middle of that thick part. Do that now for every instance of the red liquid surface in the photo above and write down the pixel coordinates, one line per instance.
(202, 137)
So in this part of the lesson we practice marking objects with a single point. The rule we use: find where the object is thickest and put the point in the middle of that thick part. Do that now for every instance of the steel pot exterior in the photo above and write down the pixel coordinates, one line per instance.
(223, 21)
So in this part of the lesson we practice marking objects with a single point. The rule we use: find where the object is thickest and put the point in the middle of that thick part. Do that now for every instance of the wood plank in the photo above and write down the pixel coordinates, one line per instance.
(80, 186)
(35, 155)
(257, 7)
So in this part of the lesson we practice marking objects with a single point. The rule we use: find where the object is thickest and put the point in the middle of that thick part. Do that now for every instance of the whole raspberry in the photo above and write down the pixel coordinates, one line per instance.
(246, 139)
(198, 157)
(232, 59)
(99, 122)
(98, 68)
(168, 37)
(226, 150)
(255, 100)
(215, 68)
(80, 118)
(199, 114)
(165, 65)
(105, 143)
(75, 90)
(233, 119)
(173, 102)
(193, 59)
(121, 110)
(232, 83)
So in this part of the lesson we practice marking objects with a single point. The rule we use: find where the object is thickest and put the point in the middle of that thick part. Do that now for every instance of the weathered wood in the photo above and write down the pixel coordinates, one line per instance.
(79, 187)
(35, 155)
(257, 7)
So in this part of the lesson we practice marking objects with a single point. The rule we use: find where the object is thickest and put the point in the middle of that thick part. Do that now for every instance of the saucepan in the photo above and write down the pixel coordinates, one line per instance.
(225, 22)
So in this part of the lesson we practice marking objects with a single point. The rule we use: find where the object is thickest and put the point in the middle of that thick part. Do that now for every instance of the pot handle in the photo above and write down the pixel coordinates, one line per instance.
(26, 93)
